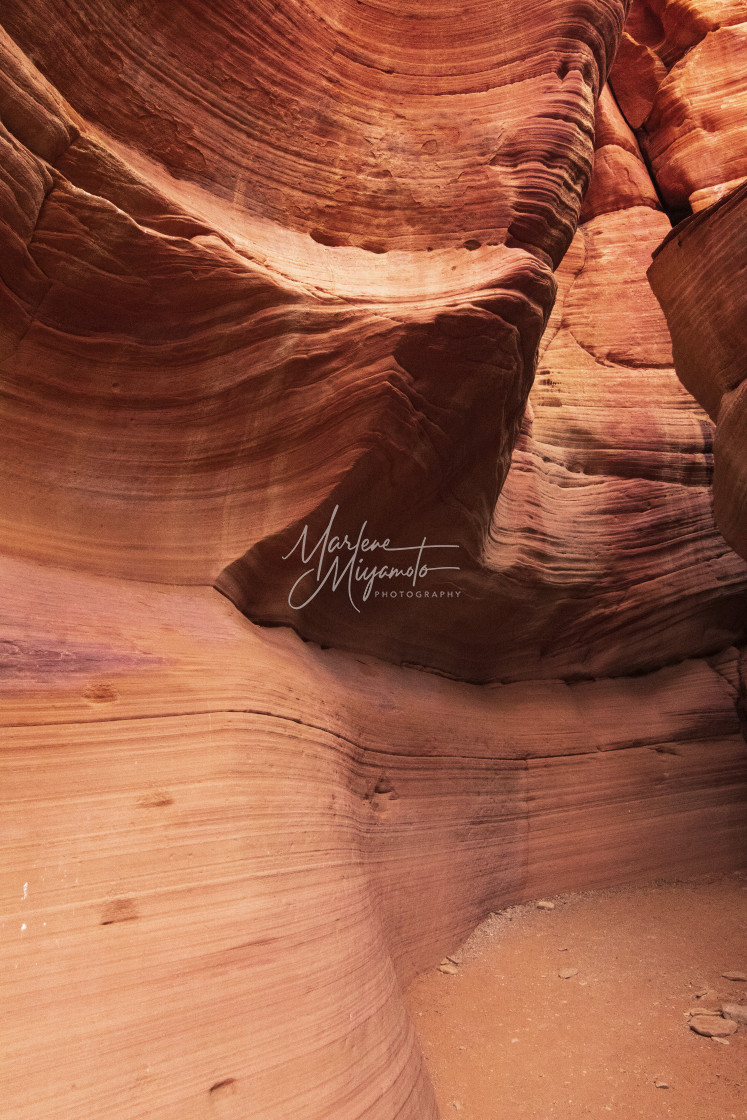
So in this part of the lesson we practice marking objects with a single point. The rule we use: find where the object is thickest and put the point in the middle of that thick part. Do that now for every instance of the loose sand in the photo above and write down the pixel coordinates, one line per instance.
(506, 1038)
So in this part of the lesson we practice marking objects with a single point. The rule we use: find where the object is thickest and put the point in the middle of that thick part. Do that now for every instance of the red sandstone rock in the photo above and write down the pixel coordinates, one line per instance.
(620, 177)
(697, 136)
(579, 475)
(712, 1026)
(212, 888)
(226, 850)
(697, 144)
(708, 325)
(117, 266)
(636, 77)
(679, 78)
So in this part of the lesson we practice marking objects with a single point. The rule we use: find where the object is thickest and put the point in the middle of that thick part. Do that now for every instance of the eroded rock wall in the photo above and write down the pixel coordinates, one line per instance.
(700, 278)
(691, 123)
(225, 850)
(679, 78)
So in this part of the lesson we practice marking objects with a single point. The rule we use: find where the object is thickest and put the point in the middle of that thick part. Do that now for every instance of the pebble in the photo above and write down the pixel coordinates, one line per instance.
(712, 1026)
(449, 969)
(566, 973)
(741, 977)
(661, 1084)
(723, 1041)
(544, 905)
(735, 1011)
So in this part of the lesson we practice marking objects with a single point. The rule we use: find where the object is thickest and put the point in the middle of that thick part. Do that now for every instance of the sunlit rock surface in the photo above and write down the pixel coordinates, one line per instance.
(680, 78)
(224, 851)
(695, 136)
(257, 261)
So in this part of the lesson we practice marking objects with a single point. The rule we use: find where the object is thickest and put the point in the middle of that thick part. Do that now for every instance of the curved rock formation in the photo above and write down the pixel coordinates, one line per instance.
(256, 262)
(699, 275)
(694, 133)
(404, 160)
(225, 850)
(444, 321)
(679, 78)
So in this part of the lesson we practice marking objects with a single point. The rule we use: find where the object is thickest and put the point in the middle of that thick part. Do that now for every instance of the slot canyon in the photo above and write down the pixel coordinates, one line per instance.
(373, 492)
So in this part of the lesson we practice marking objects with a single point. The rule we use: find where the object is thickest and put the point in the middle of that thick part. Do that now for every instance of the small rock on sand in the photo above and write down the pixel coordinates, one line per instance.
(712, 1026)
(566, 973)
(661, 1084)
(735, 1011)
(740, 977)
(543, 904)
(448, 968)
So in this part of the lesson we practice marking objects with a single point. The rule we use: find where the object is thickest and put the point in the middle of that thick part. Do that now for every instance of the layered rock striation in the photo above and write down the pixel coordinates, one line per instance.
(692, 129)
(679, 78)
(260, 263)
(225, 851)
(699, 275)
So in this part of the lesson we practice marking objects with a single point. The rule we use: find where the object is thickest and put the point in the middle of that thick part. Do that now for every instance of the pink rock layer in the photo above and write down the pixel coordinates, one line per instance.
(225, 852)
(256, 261)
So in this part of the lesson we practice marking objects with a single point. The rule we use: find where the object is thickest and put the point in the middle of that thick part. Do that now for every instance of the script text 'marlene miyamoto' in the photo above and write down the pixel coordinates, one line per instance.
(339, 561)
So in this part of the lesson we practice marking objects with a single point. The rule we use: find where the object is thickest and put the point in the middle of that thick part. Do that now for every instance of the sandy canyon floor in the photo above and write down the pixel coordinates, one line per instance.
(506, 1035)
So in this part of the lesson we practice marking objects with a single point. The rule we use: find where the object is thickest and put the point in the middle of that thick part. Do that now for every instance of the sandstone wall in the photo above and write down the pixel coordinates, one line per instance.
(255, 261)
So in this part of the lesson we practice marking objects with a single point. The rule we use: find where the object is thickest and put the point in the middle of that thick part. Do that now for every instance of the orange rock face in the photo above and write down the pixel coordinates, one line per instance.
(709, 330)
(267, 269)
(695, 136)
(679, 77)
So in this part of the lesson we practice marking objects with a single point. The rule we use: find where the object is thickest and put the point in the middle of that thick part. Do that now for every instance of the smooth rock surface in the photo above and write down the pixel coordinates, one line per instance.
(708, 323)
(735, 1011)
(712, 1026)
(257, 261)
(192, 804)
(679, 78)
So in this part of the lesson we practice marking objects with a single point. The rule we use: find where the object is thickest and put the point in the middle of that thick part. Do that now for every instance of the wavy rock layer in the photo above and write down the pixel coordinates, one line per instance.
(700, 278)
(587, 511)
(679, 78)
(692, 128)
(225, 850)
(205, 419)
(580, 574)
(401, 375)
(360, 124)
